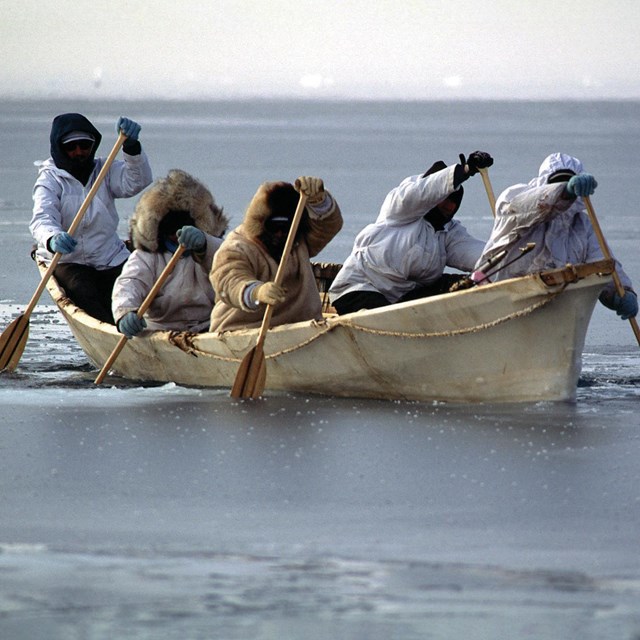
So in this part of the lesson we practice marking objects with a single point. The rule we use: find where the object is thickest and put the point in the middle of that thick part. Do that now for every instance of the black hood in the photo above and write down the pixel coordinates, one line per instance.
(434, 216)
(61, 126)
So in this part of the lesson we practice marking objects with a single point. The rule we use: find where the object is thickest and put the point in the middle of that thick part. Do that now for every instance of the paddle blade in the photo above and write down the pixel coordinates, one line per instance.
(252, 375)
(12, 342)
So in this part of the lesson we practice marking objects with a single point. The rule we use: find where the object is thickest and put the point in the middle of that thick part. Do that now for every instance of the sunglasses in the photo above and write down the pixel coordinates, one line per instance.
(83, 145)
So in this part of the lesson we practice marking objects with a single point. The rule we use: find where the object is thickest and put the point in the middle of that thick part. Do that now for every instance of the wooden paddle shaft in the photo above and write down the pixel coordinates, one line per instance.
(251, 376)
(489, 189)
(607, 254)
(266, 320)
(146, 303)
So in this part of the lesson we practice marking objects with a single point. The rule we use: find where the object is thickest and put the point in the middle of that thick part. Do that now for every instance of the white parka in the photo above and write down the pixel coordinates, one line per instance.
(401, 250)
(538, 212)
(58, 196)
(185, 300)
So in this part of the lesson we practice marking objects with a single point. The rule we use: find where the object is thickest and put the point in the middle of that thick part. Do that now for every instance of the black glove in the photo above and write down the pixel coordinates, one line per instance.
(477, 160)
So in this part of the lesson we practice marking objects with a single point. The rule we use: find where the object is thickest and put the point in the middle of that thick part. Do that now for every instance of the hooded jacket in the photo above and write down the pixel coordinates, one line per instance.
(185, 300)
(243, 260)
(63, 125)
(539, 212)
(60, 190)
(402, 250)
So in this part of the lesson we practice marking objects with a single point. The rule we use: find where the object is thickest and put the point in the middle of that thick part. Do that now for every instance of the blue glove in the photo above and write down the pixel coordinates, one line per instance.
(62, 243)
(192, 238)
(583, 184)
(130, 325)
(627, 306)
(130, 128)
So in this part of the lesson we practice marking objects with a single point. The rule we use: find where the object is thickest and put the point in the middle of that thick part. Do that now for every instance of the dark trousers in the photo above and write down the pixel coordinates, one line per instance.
(357, 300)
(89, 288)
(441, 285)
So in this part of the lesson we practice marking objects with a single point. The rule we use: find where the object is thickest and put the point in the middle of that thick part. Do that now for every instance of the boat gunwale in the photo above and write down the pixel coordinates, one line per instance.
(550, 282)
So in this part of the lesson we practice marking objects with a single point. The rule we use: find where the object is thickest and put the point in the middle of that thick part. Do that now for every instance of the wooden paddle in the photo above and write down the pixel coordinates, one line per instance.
(252, 374)
(146, 303)
(607, 254)
(14, 337)
(489, 189)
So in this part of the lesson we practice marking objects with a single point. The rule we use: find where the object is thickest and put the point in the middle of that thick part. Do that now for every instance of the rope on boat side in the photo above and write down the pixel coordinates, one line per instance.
(191, 348)
(455, 332)
(177, 339)
(282, 352)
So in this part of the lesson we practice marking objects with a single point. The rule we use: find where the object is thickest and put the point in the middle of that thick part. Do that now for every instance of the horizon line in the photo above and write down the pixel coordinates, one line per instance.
(309, 98)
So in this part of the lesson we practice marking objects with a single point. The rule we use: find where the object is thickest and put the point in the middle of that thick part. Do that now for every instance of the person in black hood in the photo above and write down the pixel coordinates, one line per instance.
(404, 253)
(92, 258)
(74, 142)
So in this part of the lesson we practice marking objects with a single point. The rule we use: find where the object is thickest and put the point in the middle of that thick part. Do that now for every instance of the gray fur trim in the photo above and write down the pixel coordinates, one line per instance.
(177, 191)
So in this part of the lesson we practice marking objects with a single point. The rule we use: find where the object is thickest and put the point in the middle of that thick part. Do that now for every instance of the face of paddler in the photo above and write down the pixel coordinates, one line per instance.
(447, 208)
(78, 149)
(276, 231)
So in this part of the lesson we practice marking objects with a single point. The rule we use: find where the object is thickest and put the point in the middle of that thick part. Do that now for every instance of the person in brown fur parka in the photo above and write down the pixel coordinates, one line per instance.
(245, 266)
(177, 209)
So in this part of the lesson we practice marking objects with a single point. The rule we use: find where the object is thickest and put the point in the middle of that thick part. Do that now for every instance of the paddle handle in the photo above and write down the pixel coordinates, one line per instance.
(607, 254)
(266, 320)
(489, 189)
(76, 221)
(146, 303)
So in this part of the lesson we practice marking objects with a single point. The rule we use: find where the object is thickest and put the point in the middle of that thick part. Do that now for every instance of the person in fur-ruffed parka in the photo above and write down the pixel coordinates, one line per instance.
(177, 209)
(245, 266)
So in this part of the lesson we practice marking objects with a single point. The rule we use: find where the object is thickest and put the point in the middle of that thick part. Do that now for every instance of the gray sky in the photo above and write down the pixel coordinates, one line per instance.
(428, 49)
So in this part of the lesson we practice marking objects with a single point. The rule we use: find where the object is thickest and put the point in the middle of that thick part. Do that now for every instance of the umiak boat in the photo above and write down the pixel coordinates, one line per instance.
(517, 340)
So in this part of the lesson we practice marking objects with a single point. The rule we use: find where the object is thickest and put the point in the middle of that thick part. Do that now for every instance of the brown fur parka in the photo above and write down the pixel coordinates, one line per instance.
(242, 260)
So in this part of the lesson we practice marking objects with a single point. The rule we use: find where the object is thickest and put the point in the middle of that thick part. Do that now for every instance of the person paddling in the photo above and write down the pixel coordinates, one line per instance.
(245, 266)
(92, 258)
(404, 253)
(550, 211)
(176, 210)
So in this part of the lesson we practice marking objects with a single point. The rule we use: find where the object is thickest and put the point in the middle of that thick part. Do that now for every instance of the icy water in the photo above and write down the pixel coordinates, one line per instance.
(160, 512)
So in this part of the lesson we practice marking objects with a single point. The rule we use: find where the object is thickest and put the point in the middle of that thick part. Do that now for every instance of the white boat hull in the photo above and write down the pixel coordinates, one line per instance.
(519, 340)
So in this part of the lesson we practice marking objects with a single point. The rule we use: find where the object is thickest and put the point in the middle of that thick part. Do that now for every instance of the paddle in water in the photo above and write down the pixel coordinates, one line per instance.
(252, 374)
(14, 337)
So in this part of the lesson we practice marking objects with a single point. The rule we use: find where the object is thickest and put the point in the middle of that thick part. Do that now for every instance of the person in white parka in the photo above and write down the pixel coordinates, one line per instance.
(549, 211)
(403, 254)
(177, 209)
(92, 258)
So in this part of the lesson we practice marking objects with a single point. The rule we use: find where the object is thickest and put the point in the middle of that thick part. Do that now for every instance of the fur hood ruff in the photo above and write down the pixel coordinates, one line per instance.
(260, 209)
(179, 191)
